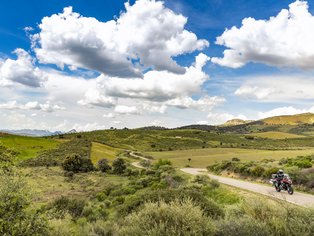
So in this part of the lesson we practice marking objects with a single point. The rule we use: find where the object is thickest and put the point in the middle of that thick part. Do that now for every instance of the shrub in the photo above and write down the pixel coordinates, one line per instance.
(257, 171)
(63, 205)
(118, 166)
(15, 217)
(268, 172)
(76, 163)
(242, 226)
(103, 165)
(209, 207)
(173, 218)
(201, 179)
(161, 163)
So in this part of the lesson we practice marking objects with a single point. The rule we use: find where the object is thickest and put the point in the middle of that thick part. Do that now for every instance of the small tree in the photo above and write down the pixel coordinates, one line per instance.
(103, 165)
(77, 163)
(118, 166)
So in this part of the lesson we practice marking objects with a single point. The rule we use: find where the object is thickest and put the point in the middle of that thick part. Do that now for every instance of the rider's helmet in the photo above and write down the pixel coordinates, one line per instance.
(280, 172)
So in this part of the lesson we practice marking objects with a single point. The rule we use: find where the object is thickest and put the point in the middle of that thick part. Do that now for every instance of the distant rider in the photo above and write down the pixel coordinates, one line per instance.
(279, 177)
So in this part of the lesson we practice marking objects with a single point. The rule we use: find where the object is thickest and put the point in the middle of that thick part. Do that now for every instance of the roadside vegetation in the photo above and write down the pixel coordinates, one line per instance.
(300, 169)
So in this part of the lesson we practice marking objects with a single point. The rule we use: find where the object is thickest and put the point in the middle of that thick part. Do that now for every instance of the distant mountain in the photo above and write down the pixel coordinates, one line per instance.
(32, 132)
(305, 118)
(72, 131)
(236, 122)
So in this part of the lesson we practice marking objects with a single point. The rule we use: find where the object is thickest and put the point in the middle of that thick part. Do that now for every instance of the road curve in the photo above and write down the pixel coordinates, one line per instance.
(297, 198)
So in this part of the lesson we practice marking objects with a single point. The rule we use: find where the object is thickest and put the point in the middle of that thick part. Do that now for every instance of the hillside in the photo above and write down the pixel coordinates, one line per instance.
(236, 122)
(305, 118)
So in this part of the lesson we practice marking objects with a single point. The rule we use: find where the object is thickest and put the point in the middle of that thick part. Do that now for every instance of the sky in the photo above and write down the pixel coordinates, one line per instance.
(87, 65)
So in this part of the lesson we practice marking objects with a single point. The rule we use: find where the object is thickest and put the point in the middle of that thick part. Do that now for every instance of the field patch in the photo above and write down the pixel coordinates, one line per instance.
(276, 135)
(201, 158)
(100, 151)
(28, 147)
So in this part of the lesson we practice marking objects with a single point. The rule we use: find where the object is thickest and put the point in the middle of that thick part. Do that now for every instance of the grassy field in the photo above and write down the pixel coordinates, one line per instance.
(276, 135)
(28, 147)
(100, 151)
(48, 184)
(204, 157)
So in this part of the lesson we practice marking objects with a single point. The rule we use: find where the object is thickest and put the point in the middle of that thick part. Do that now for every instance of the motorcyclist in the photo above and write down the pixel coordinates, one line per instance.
(279, 177)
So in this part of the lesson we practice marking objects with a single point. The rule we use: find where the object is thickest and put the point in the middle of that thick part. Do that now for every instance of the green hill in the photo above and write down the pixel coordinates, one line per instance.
(305, 118)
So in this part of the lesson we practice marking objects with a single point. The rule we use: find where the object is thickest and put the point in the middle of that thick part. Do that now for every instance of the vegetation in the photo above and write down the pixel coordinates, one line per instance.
(16, 217)
(204, 157)
(61, 188)
(299, 168)
(55, 157)
(76, 163)
(103, 165)
(27, 147)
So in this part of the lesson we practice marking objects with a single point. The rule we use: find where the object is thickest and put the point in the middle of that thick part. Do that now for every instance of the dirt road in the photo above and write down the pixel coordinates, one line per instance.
(137, 164)
(297, 198)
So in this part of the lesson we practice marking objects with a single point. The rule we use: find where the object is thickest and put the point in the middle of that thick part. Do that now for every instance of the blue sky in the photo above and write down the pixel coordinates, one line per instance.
(96, 64)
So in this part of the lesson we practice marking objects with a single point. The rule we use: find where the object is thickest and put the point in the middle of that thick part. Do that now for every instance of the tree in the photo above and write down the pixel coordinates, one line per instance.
(103, 165)
(77, 163)
(118, 166)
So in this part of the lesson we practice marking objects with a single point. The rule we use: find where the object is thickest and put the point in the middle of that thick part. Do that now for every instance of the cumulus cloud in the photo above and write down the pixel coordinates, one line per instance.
(109, 115)
(45, 107)
(204, 104)
(157, 91)
(291, 88)
(285, 40)
(22, 70)
(158, 85)
(254, 92)
(146, 35)
(126, 110)
(93, 97)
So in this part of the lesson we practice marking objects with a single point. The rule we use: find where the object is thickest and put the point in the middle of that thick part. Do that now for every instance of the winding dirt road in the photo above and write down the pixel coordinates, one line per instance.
(297, 198)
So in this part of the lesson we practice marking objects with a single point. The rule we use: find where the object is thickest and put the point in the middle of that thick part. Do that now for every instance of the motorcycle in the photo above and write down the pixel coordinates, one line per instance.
(286, 183)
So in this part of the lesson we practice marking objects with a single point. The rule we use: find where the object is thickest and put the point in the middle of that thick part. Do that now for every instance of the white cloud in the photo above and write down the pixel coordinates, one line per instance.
(204, 104)
(289, 110)
(284, 40)
(146, 32)
(109, 115)
(220, 118)
(277, 88)
(254, 92)
(22, 70)
(126, 110)
(158, 85)
(45, 107)
(95, 98)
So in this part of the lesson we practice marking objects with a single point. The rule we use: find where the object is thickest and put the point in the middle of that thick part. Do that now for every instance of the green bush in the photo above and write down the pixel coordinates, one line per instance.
(161, 163)
(103, 165)
(76, 163)
(15, 215)
(209, 207)
(63, 205)
(242, 227)
(172, 219)
(118, 166)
